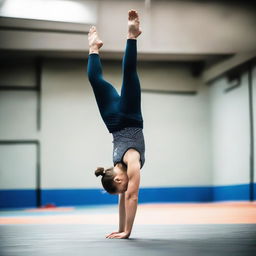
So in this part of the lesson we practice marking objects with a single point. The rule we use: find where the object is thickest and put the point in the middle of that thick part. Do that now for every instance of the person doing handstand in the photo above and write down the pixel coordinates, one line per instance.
(123, 118)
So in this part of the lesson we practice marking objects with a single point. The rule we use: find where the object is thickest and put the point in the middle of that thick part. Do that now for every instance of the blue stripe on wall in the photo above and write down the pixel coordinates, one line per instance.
(234, 193)
(66, 197)
(254, 191)
(175, 194)
(17, 198)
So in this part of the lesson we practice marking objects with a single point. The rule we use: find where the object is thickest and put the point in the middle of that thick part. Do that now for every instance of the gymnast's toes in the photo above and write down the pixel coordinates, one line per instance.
(93, 38)
(133, 24)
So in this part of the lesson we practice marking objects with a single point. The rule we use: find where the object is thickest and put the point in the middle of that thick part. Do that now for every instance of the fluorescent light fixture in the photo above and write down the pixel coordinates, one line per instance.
(54, 10)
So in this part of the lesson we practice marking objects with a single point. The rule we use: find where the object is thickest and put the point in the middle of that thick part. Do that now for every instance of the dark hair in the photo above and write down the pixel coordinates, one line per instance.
(107, 179)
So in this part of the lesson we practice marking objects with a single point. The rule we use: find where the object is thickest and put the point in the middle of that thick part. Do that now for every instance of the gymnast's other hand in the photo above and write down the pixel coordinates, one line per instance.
(113, 233)
(118, 235)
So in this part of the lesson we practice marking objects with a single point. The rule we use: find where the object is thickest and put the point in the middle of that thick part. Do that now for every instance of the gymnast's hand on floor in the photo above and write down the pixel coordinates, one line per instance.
(113, 233)
(118, 235)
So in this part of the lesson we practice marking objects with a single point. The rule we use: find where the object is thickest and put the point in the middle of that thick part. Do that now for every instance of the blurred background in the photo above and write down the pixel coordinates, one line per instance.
(196, 63)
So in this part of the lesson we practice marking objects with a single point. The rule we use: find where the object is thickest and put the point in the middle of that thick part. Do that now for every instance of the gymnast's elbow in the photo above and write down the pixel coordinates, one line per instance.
(131, 197)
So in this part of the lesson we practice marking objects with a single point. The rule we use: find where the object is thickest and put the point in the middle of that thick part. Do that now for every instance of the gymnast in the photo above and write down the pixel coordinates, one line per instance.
(123, 118)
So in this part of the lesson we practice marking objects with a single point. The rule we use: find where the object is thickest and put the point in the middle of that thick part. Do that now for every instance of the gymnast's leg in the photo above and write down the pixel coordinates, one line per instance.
(131, 93)
(106, 95)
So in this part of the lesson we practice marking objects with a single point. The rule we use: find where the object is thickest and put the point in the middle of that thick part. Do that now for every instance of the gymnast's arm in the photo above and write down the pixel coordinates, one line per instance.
(128, 201)
(131, 195)
(121, 212)
(120, 232)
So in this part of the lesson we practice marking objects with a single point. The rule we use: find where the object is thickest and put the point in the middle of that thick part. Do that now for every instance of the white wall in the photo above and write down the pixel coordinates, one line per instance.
(18, 122)
(177, 140)
(18, 114)
(254, 116)
(17, 166)
(230, 137)
(167, 76)
(18, 108)
(74, 139)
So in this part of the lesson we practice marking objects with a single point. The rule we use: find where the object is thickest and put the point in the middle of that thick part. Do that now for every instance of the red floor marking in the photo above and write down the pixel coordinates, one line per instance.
(57, 209)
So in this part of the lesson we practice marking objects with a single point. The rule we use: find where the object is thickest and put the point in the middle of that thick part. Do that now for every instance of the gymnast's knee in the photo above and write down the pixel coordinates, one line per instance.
(94, 78)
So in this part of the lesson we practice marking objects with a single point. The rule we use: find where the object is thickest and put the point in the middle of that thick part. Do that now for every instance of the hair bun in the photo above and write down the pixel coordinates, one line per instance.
(99, 171)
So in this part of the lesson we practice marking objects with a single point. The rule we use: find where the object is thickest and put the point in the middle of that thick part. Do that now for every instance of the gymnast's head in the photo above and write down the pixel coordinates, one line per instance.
(114, 180)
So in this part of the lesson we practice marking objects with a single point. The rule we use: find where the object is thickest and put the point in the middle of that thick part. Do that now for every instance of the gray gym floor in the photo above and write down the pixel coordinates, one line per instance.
(83, 239)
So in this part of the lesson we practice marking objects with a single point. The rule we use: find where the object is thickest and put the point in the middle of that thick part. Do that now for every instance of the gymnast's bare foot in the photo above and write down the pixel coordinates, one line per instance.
(94, 42)
(133, 25)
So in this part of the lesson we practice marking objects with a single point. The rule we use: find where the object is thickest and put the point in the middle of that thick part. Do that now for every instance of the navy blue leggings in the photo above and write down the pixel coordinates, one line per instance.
(118, 111)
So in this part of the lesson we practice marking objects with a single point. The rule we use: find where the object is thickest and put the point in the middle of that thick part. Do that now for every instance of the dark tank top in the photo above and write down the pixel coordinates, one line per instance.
(129, 137)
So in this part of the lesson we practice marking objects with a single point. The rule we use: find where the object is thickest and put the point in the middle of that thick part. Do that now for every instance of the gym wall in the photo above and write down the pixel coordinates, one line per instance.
(230, 138)
(197, 140)
(74, 140)
(254, 124)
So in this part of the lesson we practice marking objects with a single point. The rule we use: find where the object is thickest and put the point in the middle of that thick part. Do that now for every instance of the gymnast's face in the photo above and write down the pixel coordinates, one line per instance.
(121, 180)
(121, 188)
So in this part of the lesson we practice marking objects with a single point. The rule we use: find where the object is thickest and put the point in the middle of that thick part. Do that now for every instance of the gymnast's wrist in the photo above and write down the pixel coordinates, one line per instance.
(128, 232)
(121, 229)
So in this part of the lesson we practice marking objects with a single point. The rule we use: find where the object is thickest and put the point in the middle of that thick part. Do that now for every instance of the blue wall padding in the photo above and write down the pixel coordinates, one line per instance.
(233, 193)
(16, 198)
(175, 194)
(64, 197)
(68, 197)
